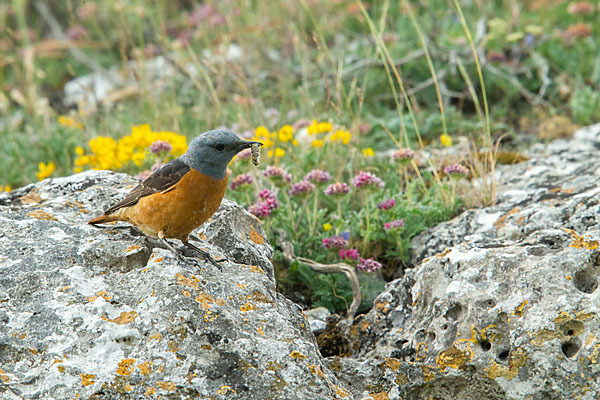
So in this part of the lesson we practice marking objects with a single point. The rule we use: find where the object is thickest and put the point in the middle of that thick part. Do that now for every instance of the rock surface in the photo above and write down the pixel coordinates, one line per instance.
(110, 314)
(504, 301)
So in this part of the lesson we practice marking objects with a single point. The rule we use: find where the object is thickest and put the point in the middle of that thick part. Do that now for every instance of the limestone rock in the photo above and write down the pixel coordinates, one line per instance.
(504, 301)
(108, 313)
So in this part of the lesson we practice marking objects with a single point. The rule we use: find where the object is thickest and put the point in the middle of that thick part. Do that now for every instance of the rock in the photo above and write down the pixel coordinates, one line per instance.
(317, 318)
(504, 300)
(109, 313)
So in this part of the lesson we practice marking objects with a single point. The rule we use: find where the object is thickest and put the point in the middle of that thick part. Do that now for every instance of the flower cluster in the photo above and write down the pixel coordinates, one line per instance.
(277, 175)
(395, 224)
(317, 176)
(301, 188)
(241, 180)
(456, 171)
(368, 152)
(337, 189)
(368, 265)
(349, 254)
(386, 204)
(160, 146)
(107, 153)
(334, 242)
(273, 140)
(403, 156)
(69, 122)
(316, 128)
(5, 188)
(367, 180)
(45, 170)
(265, 207)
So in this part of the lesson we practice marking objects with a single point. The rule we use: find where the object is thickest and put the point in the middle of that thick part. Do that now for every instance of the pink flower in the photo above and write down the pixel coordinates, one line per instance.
(76, 32)
(334, 242)
(301, 188)
(367, 180)
(265, 207)
(386, 204)
(456, 171)
(397, 223)
(244, 154)
(160, 145)
(317, 176)
(368, 265)
(241, 180)
(403, 156)
(277, 175)
(337, 189)
(349, 254)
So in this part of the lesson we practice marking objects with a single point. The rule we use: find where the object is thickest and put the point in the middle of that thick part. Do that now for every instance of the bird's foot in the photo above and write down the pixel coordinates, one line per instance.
(205, 254)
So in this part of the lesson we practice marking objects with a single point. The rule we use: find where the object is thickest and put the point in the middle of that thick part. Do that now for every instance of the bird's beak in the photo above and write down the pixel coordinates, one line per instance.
(248, 143)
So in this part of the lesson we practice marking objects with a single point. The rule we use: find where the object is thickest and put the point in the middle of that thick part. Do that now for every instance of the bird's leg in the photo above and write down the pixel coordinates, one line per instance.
(204, 254)
(178, 254)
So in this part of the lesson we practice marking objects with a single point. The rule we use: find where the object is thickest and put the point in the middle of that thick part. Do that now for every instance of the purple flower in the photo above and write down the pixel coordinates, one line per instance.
(159, 146)
(303, 123)
(403, 156)
(76, 32)
(301, 188)
(334, 242)
(386, 204)
(272, 114)
(368, 265)
(244, 154)
(265, 207)
(367, 180)
(277, 175)
(456, 171)
(349, 254)
(241, 180)
(397, 223)
(317, 176)
(337, 189)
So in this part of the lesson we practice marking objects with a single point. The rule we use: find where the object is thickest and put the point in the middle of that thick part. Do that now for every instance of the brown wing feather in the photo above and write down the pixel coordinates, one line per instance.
(163, 179)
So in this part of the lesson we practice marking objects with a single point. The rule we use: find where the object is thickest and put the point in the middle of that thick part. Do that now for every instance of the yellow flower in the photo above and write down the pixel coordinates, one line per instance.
(138, 158)
(340, 136)
(319, 127)
(45, 170)
(446, 140)
(79, 151)
(69, 122)
(286, 133)
(261, 132)
(327, 227)
(77, 170)
(278, 152)
(295, 142)
(6, 188)
(317, 143)
(368, 152)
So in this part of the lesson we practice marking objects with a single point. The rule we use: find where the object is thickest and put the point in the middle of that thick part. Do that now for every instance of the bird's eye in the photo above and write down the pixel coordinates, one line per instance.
(220, 147)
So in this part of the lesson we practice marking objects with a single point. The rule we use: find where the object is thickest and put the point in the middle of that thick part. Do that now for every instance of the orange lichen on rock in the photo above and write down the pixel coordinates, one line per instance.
(125, 366)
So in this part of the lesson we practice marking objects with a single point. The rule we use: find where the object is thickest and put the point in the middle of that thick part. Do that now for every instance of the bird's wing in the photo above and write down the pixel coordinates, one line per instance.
(162, 180)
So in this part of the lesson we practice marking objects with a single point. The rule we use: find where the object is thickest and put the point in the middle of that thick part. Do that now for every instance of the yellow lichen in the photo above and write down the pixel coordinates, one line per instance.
(255, 236)
(519, 310)
(125, 366)
(453, 357)
(296, 354)
(87, 379)
(3, 376)
(517, 360)
(145, 367)
(247, 307)
(124, 318)
(42, 215)
(205, 299)
(156, 336)
(185, 281)
(166, 385)
(392, 363)
(226, 389)
(257, 269)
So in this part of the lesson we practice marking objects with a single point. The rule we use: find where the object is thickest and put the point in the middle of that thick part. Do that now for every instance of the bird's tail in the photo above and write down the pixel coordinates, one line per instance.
(103, 219)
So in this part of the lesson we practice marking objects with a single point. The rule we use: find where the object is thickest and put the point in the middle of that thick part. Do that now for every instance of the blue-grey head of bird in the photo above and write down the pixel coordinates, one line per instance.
(210, 152)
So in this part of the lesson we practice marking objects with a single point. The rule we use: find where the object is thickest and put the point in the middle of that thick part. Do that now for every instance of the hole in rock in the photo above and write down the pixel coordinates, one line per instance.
(485, 345)
(570, 348)
(504, 355)
(586, 280)
(454, 312)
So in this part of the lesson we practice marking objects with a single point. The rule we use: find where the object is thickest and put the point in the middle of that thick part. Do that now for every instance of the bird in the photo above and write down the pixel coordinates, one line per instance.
(182, 194)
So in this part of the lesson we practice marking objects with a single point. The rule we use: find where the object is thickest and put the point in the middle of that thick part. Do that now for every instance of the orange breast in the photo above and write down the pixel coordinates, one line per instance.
(176, 213)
